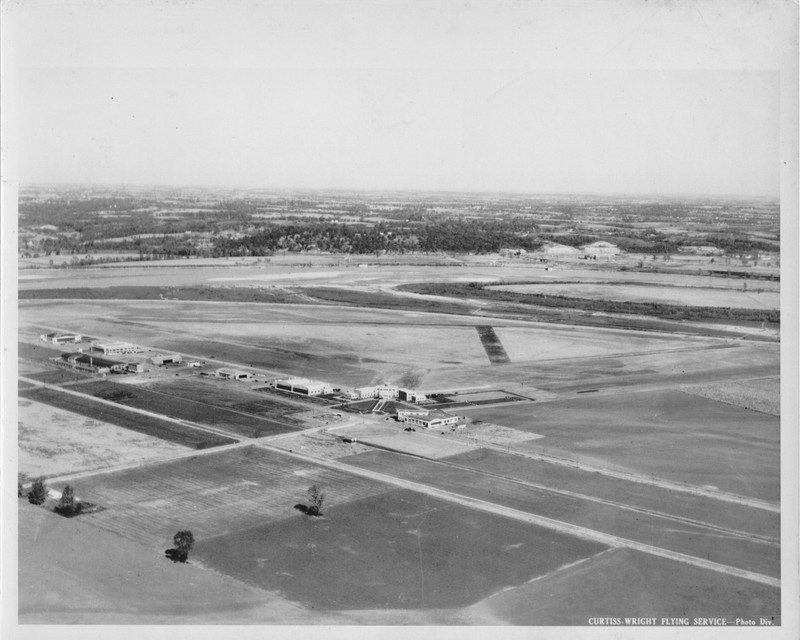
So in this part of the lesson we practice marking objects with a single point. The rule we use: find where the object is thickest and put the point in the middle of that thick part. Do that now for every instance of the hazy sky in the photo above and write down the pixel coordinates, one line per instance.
(535, 97)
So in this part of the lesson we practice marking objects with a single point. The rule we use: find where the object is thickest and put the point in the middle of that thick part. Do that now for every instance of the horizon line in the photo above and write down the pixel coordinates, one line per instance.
(408, 190)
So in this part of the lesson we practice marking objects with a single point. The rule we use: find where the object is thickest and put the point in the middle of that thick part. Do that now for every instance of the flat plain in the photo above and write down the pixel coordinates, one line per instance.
(646, 436)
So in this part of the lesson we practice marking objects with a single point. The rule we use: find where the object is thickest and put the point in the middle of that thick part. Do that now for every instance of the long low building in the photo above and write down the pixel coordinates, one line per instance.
(115, 348)
(304, 386)
(166, 358)
(61, 338)
(233, 374)
(433, 419)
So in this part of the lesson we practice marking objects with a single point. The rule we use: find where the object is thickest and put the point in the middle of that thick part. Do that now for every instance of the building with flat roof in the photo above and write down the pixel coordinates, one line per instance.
(409, 395)
(115, 348)
(61, 338)
(166, 358)
(304, 386)
(429, 419)
(233, 374)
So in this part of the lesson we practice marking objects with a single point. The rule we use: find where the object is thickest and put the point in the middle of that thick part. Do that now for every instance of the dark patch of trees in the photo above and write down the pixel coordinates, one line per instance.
(68, 506)
(183, 542)
(38, 492)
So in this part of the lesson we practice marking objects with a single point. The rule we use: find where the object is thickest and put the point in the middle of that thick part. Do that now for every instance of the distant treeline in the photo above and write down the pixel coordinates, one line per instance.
(653, 309)
(484, 235)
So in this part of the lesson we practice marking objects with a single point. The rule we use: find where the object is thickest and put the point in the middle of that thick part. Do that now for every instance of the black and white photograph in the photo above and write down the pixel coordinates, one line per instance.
(373, 318)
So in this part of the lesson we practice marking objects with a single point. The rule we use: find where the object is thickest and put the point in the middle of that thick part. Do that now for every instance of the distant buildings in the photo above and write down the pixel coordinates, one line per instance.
(90, 363)
(701, 251)
(601, 248)
(61, 338)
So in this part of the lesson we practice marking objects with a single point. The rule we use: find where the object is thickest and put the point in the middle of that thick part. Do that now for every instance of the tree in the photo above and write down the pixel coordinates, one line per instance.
(183, 541)
(38, 492)
(67, 506)
(316, 496)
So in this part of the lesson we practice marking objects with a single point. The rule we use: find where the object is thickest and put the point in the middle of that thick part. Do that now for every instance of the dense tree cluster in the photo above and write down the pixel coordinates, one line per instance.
(482, 235)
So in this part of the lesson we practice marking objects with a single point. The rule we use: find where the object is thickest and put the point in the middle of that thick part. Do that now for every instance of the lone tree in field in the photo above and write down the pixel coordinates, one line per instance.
(67, 506)
(316, 497)
(38, 492)
(183, 541)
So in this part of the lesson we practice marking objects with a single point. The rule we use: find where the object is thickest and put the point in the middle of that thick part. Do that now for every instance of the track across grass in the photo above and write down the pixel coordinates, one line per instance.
(184, 409)
(164, 429)
(658, 531)
(646, 496)
(213, 494)
(668, 434)
(395, 550)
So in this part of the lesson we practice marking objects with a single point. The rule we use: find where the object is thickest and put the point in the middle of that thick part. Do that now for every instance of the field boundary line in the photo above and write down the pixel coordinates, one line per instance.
(530, 518)
(632, 477)
(191, 453)
(619, 505)
(149, 414)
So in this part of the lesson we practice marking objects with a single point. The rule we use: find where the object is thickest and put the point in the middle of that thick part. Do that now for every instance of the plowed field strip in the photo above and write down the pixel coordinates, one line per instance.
(585, 533)
(213, 494)
(735, 517)
(128, 417)
(740, 551)
(768, 540)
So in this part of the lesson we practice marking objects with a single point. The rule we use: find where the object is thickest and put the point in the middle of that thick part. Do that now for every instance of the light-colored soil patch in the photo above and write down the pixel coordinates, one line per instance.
(54, 441)
(392, 435)
(755, 297)
(320, 445)
(760, 395)
(487, 432)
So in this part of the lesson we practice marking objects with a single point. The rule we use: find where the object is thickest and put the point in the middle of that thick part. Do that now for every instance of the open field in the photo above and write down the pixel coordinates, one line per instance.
(692, 539)
(754, 297)
(164, 429)
(395, 550)
(105, 579)
(197, 411)
(638, 495)
(610, 398)
(667, 434)
(760, 395)
(53, 441)
(213, 494)
(385, 271)
(58, 376)
(624, 583)
(357, 347)
(229, 394)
